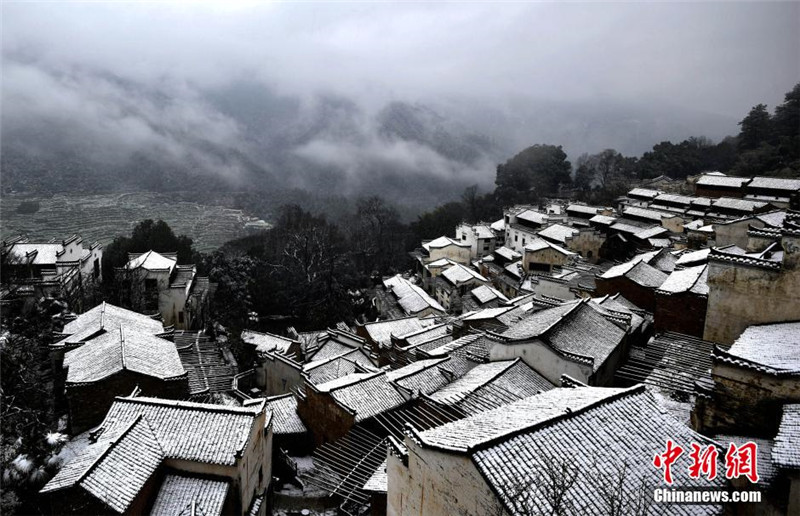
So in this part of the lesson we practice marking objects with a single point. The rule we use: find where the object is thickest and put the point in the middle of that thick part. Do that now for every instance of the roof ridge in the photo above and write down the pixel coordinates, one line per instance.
(163, 402)
(568, 413)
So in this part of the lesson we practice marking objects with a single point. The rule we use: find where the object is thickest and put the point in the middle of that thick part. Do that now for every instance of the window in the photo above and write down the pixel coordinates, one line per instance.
(180, 317)
(96, 269)
(588, 254)
(151, 284)
(516, 238)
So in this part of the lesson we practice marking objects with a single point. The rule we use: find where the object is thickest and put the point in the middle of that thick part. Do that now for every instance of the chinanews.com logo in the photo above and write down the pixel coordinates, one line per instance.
(739, 462)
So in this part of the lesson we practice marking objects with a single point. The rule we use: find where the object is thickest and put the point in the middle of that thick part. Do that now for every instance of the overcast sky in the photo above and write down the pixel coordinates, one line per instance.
(719, 57)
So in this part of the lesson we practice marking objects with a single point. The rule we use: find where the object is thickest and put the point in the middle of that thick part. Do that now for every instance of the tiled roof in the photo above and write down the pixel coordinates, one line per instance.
(507, 253)
(533, 216)
(603, 219)
(725, 181)
(645, 275)
(410, 297)
(330, 349)
(379, 481)
(490, 385)
(458, 274)
(475, 345)
(775, 183)
(622, 430)
(673, 199)
(426, 334)
(582, 208)
(633, 211)
(42, 253)
(776, 346)
(499, 225)
(773, 218)
(786, 451)
(266, 342)
(115, 468)
(121, 349)
(209, 369)
(693, 257)
(284, 415)
(558, 232)
(486, 293)
(179, 492)
(427, 376)
(352, 361)
(110, 316)
(691, 279)
(468, 433)
(651, 232)
(152, 260)
(538, 244)
(381, 332)
(742, 205)
(576, 328)
(368, 396)
(189, 431)
(442, 241)
(644, 192)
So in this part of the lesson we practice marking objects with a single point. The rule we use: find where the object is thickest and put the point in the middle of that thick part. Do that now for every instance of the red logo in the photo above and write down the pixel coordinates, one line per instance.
(739, 461)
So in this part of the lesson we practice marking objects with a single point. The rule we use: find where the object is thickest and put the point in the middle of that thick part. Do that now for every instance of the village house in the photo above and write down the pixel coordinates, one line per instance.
(636, 279)
(401, 297)
(480, 237)
(584, 241)
(156, 283)
(60, 269)
(751, 381)
(718, 185)
(442, 247)
(681, 301)
(117, 361)
(499, 461)
(159, 456)
(542, 255)
(454, 282)
(278, 369)
(779, 192)
(522, 223)
(288, 430)
(578, 338)
(378, 334)
(759, 286)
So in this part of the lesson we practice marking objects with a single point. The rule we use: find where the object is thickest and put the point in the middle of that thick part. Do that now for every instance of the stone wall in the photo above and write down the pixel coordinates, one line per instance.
(437, 483)
(326, 420)
(744, 401)
(741, 295)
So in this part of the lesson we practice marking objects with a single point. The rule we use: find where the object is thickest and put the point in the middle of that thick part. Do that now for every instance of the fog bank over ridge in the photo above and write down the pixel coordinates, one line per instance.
(361, 98)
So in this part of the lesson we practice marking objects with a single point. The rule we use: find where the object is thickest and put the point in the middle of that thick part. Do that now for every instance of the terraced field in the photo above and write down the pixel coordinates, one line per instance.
(102, 217)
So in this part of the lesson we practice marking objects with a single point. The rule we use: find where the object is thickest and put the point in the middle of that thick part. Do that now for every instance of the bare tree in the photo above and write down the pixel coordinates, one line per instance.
(621, 494)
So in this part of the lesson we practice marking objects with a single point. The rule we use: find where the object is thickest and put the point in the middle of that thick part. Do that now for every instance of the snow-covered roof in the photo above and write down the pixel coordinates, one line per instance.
(650, 232)
(612, 427)
(724, 181)
(411, 298)
(441, 242)
(533, 216)
(379, 481)
(603, 219)
(693, 257)
(486, 293)
(776, 346)
(284, 415)
(539, 244)
(786, 450)
(458, 274)
(499, 225)
(507, 253)
(119, 349)
(691, 279)
(582, 208)
(183, 494)
(743, 205)
(775, 183)
(558, 232)
(381, 331)
(644, 193)
(152, 261)
(266, 342)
